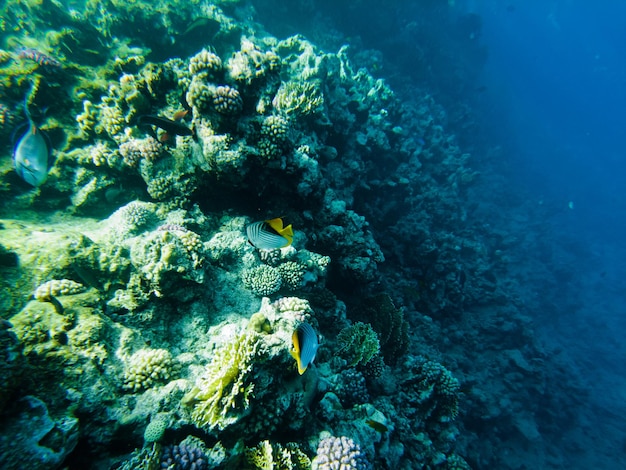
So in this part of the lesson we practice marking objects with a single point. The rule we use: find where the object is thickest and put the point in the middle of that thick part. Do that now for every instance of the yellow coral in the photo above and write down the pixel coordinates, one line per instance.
(223, 392)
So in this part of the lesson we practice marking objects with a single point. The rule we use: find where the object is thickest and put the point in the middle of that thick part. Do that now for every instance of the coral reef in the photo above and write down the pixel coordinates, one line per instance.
(340, 452)
(32, 438)
(358, 343)
(148, 367)
(224, 390)
(273, 455)
(155, 318)
(190, 454)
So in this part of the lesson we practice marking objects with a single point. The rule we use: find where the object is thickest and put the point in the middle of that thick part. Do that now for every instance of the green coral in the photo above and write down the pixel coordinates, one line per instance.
(262, 280)
(268, 455)
(358, 343)
(222, 394)
(388, 321)
(444, 386)
(300, 98)
(156, 428)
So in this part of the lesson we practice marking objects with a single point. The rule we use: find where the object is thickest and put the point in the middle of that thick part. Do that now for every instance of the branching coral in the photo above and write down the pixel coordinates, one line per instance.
(266, 455)
(388, 321)
(148, 367)
(262, 280)
(358, 343)
(340, 453)
(222, 394)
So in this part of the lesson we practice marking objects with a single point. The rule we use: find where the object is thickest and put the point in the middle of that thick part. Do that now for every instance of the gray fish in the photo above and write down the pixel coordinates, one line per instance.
(305, 345)
(32, 154)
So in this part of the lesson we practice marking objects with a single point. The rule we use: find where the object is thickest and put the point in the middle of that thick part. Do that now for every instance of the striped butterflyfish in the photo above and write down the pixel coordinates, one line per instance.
(305, 346)
(269, 234)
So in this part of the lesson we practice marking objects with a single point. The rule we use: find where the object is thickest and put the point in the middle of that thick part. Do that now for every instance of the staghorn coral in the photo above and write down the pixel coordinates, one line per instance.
(222, 394)
(262, 280)
(358, 343)
(340, 453)
(148, 367)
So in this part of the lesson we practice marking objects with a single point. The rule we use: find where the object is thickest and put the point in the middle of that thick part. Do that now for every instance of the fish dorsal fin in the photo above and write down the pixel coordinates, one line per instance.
(277, 226)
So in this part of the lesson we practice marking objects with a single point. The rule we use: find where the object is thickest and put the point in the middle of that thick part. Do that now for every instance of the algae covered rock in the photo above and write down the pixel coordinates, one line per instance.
(31, 438)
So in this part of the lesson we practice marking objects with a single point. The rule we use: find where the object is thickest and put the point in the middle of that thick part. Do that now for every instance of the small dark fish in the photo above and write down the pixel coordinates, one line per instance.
(39, 57)
(32, 155)
(169, 126)
(201, 26)
(380, 427)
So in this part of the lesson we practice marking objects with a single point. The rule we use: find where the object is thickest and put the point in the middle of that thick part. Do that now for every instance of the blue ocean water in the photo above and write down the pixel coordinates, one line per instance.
(476, 146)
(555, 100)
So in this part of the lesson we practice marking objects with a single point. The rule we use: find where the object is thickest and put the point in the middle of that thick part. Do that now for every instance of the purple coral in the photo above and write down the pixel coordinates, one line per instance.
(340, 453)
(183, 457)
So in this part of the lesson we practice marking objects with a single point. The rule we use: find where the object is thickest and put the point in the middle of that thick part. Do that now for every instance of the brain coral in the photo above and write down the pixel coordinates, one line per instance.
(340, 453)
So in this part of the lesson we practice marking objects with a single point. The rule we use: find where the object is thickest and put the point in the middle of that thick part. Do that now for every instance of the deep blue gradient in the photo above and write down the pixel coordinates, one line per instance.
(556, 88)
(555, 100)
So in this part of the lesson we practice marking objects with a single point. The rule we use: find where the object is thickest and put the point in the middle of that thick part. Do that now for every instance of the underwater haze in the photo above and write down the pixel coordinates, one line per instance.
(312, 234)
